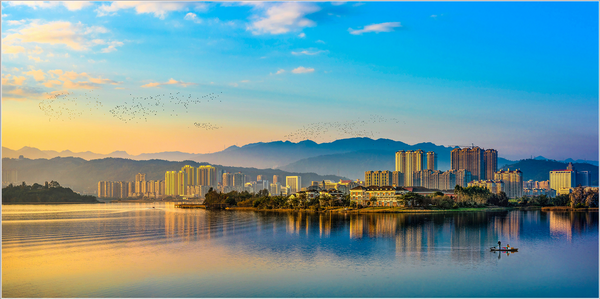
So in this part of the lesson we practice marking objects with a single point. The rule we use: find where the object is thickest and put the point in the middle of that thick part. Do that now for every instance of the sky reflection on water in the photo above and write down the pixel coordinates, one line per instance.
(134, 250)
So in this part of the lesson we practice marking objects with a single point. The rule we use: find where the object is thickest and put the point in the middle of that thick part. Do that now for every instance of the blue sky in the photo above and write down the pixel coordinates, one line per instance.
(518, 77)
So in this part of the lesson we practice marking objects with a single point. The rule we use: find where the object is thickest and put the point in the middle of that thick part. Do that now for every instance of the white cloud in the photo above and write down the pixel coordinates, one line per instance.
(96, 61)
(15, 22)
(281, 71)
(190, 16)
(233, 84)
(112, 46)
(320, 42)
(302, 35)
(302, 70)
(76, 5)
(245, 81)
(283, 17)
(36, 59)
(36, 51)
(76, 36)
(70, 5)
(159, 9)
(38, 75)
(170, 82)
(381, 27)
(309, 52)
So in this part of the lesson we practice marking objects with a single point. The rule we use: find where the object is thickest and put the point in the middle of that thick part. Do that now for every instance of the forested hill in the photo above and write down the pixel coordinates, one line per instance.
(38, 193)
(539, 170)
(83, 176)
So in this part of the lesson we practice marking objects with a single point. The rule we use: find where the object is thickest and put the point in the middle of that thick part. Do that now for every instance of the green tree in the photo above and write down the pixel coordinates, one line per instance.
(373, 199)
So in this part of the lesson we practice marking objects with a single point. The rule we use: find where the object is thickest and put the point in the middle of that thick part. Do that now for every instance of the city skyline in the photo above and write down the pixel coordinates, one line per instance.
(505, 76)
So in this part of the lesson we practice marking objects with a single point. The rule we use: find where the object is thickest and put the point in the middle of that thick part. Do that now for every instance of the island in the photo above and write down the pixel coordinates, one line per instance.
(51, 192)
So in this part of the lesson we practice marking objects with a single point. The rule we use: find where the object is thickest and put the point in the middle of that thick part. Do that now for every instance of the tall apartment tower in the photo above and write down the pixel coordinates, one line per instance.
(397, 179)
(407, 162)
(206, 175)
(294, 183)
(190, 175)
(227, 179)
(181, 183)
(171, 183)
(431, 161)
(276, 179)
(470, 159)
(490, 159)
(400, 161)
(140, 177)
(513, 182)
(239, 179)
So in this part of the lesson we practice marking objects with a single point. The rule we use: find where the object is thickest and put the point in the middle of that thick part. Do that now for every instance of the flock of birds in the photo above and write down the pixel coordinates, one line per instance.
(60, 106)
(140, 108)
(206, 126)
(353, 128)
(67, 106)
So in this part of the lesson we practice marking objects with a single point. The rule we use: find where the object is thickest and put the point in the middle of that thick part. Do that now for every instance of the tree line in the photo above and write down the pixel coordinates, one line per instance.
(50, 192)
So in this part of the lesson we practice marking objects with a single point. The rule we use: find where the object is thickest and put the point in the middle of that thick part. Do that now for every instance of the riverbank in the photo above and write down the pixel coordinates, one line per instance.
(569, 209)
(376, 210)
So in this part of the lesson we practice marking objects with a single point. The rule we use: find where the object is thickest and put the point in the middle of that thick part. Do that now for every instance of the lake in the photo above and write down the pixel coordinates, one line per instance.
(135, 250)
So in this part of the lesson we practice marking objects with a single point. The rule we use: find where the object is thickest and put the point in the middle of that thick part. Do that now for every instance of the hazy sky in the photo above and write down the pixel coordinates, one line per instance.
(518, 77)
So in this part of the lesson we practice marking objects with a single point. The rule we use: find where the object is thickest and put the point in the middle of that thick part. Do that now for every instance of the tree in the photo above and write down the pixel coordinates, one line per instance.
(400, 201)
(413, 198)
(373, 199)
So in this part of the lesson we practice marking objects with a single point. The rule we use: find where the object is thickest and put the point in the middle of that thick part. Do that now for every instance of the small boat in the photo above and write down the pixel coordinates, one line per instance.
(511, 249)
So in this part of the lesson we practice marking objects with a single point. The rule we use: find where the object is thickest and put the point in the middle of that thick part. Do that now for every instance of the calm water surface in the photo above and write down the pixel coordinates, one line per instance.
(134, 250)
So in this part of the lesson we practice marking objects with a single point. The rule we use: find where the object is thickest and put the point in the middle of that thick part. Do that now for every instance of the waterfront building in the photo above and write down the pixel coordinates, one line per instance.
(462, 177)
(190, 175)
(408, 162)
(378, 178)
(490, 160)
(294, 183)
(492, 185)
(227, 179)
(181, 183)
(539, 191)
(140, 177)
(259, 177)
(583, 178)
(274, 189)
(513, 182)
(385, 195)
(447, 180)
(470, 159)
(431, 161)
(565, 178)
(206, 175)
(239, 180)
(171, 183)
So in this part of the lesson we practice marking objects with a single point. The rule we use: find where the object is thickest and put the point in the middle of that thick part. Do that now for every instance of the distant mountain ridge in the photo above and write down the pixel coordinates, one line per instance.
(347, 157)
(83, 176)
(539, 170)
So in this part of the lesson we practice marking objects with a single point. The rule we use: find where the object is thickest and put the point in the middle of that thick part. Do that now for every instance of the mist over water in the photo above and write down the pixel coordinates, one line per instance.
(135, 250)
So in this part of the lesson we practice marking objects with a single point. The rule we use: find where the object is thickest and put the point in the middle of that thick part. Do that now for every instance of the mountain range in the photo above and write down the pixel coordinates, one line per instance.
(349, 157)
(83, 176)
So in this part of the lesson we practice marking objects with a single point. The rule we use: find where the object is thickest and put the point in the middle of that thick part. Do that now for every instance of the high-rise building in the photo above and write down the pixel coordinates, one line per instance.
(397, 179)
(190, 175)
(259, 177)
(227, 179)
(140, 177)
(274, 189)
(239, 179)
(172, 183)
(407, 162)
(276, 179)
(490, 160)
(400, 161)
(206, 175)
(294, 183)
(378, 178)
(565, 178)
(513, 182)
(462, 177)
(470, 159)
(431, 161)
(584, 178)
(181, 183)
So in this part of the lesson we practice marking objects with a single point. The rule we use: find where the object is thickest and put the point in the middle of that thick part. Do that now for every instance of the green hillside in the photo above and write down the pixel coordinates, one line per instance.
(38, 193)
